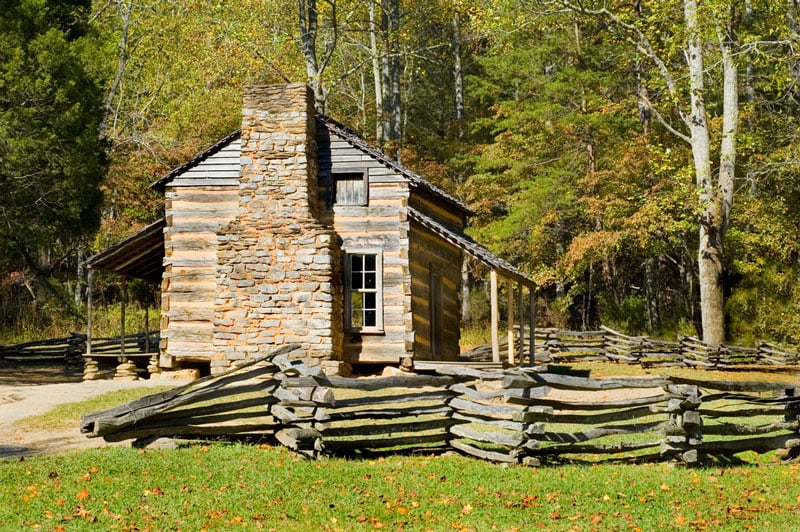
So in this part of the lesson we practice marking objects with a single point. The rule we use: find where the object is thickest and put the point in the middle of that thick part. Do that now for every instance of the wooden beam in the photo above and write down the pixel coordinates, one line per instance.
(495, 317)
(510, 320)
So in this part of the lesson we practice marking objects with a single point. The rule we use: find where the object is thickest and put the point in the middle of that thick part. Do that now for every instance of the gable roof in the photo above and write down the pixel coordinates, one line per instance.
(352, 138)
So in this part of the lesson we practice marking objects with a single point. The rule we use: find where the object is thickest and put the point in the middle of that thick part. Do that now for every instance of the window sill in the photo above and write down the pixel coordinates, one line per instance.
(366, 332)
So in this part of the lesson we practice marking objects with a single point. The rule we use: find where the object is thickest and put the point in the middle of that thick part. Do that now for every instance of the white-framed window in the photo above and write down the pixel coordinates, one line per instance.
(363, 299)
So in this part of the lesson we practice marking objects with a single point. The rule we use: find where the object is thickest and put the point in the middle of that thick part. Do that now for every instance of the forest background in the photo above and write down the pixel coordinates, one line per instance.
(638, 158)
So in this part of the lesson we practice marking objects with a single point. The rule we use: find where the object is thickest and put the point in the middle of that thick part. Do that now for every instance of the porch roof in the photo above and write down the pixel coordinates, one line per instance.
(476, 250)
(140, 256)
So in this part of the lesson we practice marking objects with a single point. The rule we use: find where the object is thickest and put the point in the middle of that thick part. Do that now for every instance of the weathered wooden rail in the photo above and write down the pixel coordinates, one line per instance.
(608, 345)
(74, 345)
(520, 415)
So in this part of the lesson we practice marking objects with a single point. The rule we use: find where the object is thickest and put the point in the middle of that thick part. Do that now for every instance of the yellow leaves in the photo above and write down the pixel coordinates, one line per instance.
(83, 494)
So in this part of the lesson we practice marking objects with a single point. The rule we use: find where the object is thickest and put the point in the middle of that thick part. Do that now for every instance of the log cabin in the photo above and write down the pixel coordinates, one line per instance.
(294, 229)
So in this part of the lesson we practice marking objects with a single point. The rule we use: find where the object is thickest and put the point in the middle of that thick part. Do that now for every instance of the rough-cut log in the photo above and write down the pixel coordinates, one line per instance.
(601, 432)
(483, 454)
(609, 448)
(388, 413)
(734, 429)
(497, 438)
(501, 423)
(392, 428)
(526, 380)
(733, 386)
(483, 410)
(595, 405)
(435, 395)
(787, 441)
(597, 419)
(386, 443)
(381, 383)
(194, 431)
(122, 417)
(298, 439)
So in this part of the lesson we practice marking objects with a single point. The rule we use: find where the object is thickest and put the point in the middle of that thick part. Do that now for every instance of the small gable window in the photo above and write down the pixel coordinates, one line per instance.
(349, 188)
(364, 291)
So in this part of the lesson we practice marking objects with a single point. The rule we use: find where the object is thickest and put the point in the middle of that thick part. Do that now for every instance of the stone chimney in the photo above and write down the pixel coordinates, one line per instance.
(278, 267)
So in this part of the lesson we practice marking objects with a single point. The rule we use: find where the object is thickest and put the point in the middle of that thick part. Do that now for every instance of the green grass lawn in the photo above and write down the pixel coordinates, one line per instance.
(231, 486)
(249, 487)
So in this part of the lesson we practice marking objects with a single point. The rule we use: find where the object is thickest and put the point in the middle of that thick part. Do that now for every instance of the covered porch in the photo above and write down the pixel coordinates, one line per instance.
(139, 256)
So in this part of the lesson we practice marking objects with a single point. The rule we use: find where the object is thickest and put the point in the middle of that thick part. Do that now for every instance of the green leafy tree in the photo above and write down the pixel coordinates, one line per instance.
(51, 156)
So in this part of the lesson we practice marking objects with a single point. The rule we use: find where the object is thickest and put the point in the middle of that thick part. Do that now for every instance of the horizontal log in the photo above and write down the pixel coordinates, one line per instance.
(602, 432)
(591, 419)
(388, 428)
(388, 413)
(502, 423)
(525, 380)
(484, 410)
(191, 431)
(496, 438)
(733, 386)
(734, 429)
(419, 441)
(608, 448)
(372, 384)
(760, 445)
(491, 456)
(588, 405)
(394, 399)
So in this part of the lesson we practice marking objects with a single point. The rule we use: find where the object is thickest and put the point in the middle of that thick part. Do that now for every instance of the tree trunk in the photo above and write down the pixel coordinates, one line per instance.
(380, 130)
(713, 216)
(307, 16)
(458, 74)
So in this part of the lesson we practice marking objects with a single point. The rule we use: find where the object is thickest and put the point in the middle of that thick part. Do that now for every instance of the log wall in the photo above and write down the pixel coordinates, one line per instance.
(194, 216)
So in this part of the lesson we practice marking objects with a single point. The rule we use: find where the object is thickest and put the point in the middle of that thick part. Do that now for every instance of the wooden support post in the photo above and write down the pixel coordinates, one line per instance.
(122, 317)
(510, 320)
(89, 282)
(146, 327)
(495, 317)
(532, 340)
(521, 306)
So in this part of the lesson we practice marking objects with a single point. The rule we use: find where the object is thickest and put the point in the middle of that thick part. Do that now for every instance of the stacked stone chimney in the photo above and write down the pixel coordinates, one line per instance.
(278, 273)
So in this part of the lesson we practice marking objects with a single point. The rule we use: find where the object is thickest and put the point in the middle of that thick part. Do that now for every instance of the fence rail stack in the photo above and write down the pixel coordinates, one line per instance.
(519, 415)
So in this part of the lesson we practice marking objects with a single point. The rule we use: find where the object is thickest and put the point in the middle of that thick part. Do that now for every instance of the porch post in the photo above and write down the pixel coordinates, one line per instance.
(122, 317)
(532, 344)
(510, 321)
(89, 283)
(495, 317)
(521, 304)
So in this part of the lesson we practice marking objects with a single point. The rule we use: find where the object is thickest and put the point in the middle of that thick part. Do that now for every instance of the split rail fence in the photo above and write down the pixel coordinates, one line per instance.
(608, 345)
(75, 349)
(519, 415)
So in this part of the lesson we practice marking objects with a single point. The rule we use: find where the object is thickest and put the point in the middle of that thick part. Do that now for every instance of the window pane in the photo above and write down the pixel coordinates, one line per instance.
(369, 280)
(369, 263)
(357, 261)
(355, 281)
(357, 301)
(370, 318)
(356, 320)
(369, 300)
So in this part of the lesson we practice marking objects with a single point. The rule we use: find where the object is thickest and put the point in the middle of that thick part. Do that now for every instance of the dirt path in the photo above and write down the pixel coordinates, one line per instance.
(35, 392)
